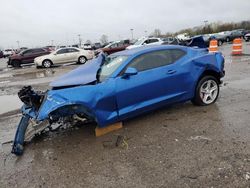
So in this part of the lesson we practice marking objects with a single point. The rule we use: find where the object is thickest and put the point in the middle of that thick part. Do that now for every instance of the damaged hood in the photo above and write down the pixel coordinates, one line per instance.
(82, 75)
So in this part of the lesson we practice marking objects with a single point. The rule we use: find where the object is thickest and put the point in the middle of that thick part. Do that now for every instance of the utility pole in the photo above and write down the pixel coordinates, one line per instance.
(18, 44)
(205, 22)
(132, 34)
(80, 40)
(146, 33)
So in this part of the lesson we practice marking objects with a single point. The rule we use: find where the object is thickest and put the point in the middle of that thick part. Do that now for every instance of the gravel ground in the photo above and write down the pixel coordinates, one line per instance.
(179, 146)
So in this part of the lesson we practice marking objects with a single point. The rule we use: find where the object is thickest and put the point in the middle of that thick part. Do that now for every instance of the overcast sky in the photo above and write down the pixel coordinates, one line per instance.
(38, 22)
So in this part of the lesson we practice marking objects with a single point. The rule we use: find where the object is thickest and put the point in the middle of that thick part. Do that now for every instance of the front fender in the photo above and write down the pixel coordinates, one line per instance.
(55, 99)
(97, 100)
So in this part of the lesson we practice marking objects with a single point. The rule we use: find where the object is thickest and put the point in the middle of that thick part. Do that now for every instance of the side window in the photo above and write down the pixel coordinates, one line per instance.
(38, 51)
(70, 50)
(114, 45)
(156, 59)
(177, 54)
(153, 40)
(120, 44)
(27, 52)
(146, 41)
(62, 51)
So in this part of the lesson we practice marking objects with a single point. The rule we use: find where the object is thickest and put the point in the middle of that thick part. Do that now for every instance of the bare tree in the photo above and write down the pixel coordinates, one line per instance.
(88, 42)
(104, 39)
(156, 33)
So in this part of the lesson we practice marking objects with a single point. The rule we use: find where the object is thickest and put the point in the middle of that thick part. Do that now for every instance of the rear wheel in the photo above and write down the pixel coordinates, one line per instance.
(82, 60)
(47, 63)
(220, 42)
(207, 91)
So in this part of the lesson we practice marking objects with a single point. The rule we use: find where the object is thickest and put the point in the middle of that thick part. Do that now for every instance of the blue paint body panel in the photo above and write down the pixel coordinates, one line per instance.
(118, 98)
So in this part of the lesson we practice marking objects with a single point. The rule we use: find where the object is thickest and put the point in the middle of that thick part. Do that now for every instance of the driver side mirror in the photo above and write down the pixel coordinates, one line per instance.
(130, 72)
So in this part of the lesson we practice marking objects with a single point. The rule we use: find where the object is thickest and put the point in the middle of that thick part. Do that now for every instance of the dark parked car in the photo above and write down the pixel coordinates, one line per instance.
(219, 37)
(234, 34)
(96, 45)
(26, 56)
(168, 40)
(1, 54)
(121, 86)
(114, 47)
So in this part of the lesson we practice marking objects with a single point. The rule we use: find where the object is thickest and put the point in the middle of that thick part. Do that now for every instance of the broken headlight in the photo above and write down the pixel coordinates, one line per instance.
(30, 97)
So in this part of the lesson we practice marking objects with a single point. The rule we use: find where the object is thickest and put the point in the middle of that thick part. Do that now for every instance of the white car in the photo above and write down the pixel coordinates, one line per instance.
(183, 36)
(247, 37)
(145, 41)
(64, 55)
(87, 47)
(8, 52)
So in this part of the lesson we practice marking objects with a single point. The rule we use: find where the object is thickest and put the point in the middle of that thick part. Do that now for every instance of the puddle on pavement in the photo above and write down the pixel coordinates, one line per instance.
(9, 103)
(38, 74)
(5, 78)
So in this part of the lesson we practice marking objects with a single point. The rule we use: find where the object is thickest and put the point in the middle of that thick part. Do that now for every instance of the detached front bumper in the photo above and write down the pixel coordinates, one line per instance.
(32, 101)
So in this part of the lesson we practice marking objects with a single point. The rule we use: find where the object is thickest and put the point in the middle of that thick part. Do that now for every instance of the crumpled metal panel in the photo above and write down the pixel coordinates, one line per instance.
(82, 75)
(98, 99)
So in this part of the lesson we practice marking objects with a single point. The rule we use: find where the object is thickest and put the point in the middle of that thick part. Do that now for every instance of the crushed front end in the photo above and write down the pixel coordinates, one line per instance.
(45, 111)
(32, 101)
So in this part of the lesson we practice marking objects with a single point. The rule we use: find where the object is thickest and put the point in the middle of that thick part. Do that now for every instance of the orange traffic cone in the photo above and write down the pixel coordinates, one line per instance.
(213, 46)
(237, 46)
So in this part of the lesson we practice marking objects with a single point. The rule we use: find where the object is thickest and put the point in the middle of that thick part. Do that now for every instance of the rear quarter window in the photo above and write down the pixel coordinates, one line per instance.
(156, 59)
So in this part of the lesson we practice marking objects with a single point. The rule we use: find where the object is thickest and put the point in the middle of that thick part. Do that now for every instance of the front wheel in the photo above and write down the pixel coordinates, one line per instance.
(16, 63)
(47, 63)
(82, 60)
(220, 43)
(207, 91)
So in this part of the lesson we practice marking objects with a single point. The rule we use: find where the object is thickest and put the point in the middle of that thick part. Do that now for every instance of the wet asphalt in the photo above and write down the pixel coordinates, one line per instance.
(177, 146)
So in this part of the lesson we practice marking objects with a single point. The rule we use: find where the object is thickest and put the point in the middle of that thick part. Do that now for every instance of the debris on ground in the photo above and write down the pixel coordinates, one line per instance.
(200, 138)
(247, 176)
(119, 141)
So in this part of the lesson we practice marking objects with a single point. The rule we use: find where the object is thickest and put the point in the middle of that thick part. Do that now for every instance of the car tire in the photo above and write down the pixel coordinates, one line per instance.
(220, 42)
(227, 39)
(47, 63)
(16, 63)
(207, 91)
(82, 60)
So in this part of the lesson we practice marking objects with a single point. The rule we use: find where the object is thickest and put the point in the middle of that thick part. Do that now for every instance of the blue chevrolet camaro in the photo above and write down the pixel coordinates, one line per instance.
(123, 85)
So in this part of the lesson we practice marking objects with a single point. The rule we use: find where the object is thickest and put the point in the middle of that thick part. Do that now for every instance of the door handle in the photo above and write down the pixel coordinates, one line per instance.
(171, 71)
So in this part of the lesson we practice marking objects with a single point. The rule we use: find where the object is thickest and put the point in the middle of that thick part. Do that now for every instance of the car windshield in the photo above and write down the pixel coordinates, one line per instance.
(109, 45)
(110, 66)
(139, 41)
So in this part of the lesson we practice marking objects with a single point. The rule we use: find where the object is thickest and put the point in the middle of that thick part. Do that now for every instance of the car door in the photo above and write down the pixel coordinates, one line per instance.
(160, 80)
(73, 54)
(120, 47)
(153, 41)
(38, 52)
(61, 56)
(114, 48)
(27, 56)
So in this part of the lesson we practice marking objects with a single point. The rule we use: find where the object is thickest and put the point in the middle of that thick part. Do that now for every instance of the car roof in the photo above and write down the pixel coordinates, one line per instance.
(148, 48)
